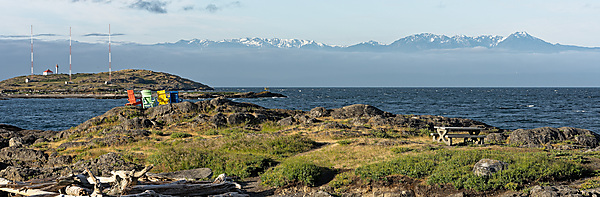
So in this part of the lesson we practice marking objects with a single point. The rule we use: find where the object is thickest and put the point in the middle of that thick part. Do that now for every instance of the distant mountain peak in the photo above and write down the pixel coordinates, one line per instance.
(520, 40)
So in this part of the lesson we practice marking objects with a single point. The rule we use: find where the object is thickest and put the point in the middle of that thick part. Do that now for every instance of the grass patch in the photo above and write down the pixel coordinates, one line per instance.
(176, 158)
(292, 171)
(180, 135)
(455, 167)
(270, 127)
(238, 155)
(401, 149)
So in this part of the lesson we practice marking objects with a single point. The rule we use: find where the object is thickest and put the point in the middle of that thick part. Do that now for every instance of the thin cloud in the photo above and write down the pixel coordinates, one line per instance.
(27, 36)
(14, 36)
(95, 1)
(101, 35)
(212, 8)
(154, 6)
(49, 35)
(187, 8)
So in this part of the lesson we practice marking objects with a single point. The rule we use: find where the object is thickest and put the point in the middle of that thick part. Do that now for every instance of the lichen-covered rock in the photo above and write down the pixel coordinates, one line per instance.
(335, 125)
(240, 118)
(487, 167)
(496, 138)
(102, 165)
(218, 120)
(137, 123)
(286, 121)
(22, 154)
(551, 191)
(318, 112)
(356, 111)
(547, 135)
(15, 142)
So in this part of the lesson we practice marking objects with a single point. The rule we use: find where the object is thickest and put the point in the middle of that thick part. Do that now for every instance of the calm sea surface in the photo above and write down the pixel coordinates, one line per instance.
(508, 108)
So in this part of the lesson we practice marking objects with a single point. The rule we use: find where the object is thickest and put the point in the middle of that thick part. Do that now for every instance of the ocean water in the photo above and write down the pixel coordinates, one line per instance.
(507, 108)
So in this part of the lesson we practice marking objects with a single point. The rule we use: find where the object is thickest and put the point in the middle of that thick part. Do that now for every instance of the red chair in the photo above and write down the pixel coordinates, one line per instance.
(132, 99)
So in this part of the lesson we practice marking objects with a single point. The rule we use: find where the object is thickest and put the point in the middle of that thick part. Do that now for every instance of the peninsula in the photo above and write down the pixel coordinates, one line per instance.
(97, 85)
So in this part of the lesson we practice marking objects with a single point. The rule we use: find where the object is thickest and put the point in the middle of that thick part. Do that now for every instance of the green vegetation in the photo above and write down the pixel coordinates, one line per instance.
(455, 167)
(292, 171)
(180, 135)
(235, 155)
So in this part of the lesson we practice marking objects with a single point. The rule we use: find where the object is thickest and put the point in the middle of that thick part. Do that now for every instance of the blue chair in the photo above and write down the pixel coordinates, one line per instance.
(174, 96)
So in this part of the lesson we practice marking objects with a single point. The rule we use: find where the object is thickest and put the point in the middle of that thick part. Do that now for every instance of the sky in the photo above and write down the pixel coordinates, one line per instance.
(334, 22)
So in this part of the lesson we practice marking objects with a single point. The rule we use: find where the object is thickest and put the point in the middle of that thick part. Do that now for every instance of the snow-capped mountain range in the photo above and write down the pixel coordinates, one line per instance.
(520, 41)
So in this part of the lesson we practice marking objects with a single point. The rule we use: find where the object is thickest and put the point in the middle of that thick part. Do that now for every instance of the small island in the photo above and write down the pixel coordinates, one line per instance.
(98, 85)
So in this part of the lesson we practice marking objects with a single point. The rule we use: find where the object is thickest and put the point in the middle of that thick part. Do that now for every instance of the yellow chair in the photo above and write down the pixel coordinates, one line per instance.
(162, 98)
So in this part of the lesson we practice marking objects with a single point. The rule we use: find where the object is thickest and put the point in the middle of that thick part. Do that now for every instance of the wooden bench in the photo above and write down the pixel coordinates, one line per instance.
(443, 136)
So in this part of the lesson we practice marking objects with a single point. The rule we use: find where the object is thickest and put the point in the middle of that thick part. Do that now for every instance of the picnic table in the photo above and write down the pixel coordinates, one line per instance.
(443, 134)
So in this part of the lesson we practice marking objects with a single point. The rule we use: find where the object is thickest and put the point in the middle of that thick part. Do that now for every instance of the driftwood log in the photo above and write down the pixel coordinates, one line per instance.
(122, 183)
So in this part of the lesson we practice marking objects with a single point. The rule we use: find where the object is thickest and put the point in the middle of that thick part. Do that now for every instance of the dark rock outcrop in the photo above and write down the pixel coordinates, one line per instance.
(239, 118)
(102, 165)
(358, 110)
(547, 135)
(218, 120)
(496, 138)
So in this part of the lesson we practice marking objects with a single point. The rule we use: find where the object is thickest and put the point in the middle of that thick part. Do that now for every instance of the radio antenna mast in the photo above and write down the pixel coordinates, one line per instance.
(69, 54)
(109, 56)
(31, 50)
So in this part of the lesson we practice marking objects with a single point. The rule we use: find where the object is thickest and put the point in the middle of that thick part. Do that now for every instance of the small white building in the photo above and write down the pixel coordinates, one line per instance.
(47, 72)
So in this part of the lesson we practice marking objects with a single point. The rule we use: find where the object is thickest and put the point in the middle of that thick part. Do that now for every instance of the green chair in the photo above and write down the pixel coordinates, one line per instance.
(147, 99)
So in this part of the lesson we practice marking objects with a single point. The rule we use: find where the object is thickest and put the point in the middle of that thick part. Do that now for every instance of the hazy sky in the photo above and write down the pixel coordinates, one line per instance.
(336, 22)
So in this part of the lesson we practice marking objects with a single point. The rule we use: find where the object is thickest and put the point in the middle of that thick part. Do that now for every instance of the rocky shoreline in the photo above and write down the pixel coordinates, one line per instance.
(100, 144)
(184, 95)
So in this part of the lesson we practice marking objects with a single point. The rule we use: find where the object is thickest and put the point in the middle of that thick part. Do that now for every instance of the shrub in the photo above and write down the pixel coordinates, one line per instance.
(156, 132)
(340, 181)
(184, 158)
(412, 166)
(180, 135)
(591, 183)
(401, 149)
(281, 146)
(345, 142)
(292, 171)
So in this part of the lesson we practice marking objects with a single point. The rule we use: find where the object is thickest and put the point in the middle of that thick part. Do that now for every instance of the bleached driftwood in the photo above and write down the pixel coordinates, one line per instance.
(126, 179)
(123, 182)
(77, 191)
(187, 189)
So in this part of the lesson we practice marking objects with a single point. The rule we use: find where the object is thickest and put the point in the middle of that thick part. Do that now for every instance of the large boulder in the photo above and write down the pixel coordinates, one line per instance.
(218, 120)
(137, 123)
(358, 110)
(549, 191)
(240, 118)
(22, 154)
(487, 167)
(547, 135)
(318, 112)
(287, 121)
(496, 138)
